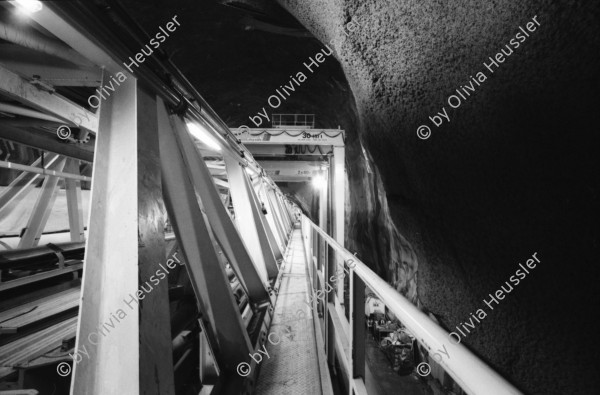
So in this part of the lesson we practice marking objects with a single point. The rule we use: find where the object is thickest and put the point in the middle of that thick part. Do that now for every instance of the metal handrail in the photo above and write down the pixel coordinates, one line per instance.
(471, 373)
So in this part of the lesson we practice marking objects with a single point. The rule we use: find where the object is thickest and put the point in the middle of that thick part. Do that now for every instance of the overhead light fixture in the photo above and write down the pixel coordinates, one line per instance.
(319, 182)
(29, 6)
(203, 135)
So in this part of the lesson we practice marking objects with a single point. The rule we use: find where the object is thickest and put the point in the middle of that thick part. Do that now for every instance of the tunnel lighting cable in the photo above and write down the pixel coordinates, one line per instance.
(203, 135)
(29, 6)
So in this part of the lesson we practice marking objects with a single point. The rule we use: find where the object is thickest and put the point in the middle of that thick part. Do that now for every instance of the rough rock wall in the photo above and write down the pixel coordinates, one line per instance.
(370, 229)
(509, 173)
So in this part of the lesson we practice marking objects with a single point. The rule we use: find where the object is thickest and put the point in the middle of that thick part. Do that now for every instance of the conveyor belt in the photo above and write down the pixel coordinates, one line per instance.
(292, 366)
(13, 319)
(23, 350)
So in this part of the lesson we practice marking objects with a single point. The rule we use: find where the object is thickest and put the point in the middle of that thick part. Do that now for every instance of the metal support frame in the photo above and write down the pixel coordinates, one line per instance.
(42, 208)
(45, 141)
(284, 212)
(271, 216)
(260, 219)
(222, 226)
(267, 223)
(45, 172)
(271, 198)
(21, 185)
(21, 90)
(126, 237)
(220, 315)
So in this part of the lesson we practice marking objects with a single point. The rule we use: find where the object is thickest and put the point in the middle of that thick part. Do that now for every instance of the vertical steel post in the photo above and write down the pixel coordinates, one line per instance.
(357, 326)
(331, 271)
(339, 204)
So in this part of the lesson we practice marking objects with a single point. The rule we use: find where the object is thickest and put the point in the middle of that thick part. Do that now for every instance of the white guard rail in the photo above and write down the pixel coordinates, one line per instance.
(472, 374)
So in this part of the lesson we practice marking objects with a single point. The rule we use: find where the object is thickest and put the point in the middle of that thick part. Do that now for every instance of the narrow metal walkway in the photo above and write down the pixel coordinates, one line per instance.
(292, 366)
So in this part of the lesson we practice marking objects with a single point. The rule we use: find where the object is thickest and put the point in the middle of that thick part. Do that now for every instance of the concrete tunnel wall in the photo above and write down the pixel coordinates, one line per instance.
(448, 219)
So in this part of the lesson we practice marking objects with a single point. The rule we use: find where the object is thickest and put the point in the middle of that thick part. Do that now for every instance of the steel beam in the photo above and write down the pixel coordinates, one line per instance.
(227, 235)
(261, 219)
(247, 217)
(276, 246)
(56, 72)
(284, 212)
(21, 185)
(220, 315)
(43, 171)
(46, 141)
(283, 150)
(275, 215)
(17, 88)
(292, 171)
(42, 209)
(264, 200)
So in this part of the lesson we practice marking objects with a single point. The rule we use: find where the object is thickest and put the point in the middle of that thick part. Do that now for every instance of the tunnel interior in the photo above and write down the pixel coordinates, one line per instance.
(506, 93)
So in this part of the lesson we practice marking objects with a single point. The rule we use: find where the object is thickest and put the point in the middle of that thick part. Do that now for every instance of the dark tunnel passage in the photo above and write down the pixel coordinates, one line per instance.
(446, 220)
(470, 143)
